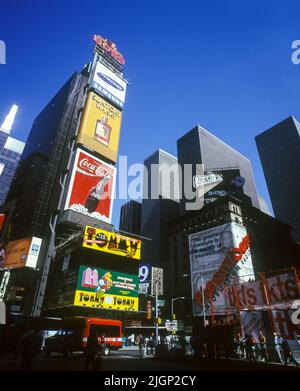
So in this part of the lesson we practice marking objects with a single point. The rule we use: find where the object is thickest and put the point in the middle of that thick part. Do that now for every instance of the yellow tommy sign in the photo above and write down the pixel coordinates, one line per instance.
(111, 242)
(107, 289)
(106, 301)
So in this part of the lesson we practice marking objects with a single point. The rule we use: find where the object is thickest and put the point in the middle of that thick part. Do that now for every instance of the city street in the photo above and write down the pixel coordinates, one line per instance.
(127, 359)
(149, 194)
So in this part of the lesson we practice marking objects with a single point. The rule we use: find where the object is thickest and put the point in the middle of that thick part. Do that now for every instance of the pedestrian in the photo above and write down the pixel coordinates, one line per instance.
(92, 351)
(102, 344)
(250, 347)
(278, 342)
(151, 344)
(263, 346)
(141, 344)
(182, 344)
(242, 342)
(236, 347)
(29, 346)
(287, 353)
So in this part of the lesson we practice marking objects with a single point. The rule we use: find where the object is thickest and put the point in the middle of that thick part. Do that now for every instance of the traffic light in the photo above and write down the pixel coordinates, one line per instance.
(148, 310)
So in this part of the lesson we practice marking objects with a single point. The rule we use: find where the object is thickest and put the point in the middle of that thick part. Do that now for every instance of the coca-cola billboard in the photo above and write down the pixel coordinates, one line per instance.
(91, 188)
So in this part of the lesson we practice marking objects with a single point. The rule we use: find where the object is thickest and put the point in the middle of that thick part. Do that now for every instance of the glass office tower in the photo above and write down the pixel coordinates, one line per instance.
(279, 151)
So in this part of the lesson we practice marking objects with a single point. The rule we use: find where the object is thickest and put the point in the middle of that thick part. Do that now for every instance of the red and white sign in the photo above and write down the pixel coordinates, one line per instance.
(110, 47)
(92, 186)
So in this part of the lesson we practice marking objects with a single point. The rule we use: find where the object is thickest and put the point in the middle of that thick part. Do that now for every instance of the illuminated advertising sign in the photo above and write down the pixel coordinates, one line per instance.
(100, 288)
(145, 278)
(219, 183)
(91, 187)
(20, 253)
(107, 84)
(251, 295)
(110, 48)
(219, 257)
(2, 220)
(157, 281)
(100, 127)
(111, 242)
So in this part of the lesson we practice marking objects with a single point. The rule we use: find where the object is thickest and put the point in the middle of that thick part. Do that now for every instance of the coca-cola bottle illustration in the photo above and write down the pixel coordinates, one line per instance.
(103, 131)
(96, 193)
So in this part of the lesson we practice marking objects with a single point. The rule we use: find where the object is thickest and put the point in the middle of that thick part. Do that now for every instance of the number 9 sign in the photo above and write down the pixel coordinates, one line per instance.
(144, 273)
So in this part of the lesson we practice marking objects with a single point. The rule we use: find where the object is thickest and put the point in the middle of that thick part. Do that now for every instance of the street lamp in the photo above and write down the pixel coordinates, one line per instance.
(203, 301)
(176, 298)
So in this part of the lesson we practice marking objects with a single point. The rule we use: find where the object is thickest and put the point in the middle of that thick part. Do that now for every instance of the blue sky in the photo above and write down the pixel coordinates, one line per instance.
(225, 65)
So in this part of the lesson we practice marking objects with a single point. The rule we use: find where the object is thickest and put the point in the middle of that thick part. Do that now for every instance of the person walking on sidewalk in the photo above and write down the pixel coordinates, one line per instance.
(92, 351)
(278, 342)
(263, 346)
(141, 344)
(151, 344)
(287, 353)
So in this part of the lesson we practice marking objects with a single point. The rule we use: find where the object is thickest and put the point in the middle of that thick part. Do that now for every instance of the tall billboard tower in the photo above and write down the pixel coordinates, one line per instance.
(91, 183)
(89, 176)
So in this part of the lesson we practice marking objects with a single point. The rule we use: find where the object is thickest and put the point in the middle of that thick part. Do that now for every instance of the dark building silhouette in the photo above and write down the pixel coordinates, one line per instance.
(159, 206)
(11, 150)
(36, 188)
(199, 146)
(279, 151)
(130, 217)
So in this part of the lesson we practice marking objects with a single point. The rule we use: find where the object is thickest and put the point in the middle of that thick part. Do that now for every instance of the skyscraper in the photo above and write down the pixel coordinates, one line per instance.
(199, 146)
(44, 159)
(279, 151)
(11, 150)
(159, 205)
(35, 189)
(67, 175)
(130, 217)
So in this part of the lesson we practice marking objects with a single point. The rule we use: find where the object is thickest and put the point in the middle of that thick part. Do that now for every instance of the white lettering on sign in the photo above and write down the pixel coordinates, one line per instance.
(296, 317)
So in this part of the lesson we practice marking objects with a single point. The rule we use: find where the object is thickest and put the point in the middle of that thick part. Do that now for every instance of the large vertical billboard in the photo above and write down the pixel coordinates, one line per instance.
(100, 127)
(109, 85)
(107, 289)
(91, 188)
(20, 253)
(219, 257)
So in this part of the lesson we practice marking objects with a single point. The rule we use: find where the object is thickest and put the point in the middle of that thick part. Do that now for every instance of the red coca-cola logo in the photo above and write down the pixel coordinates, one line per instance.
(91, 167)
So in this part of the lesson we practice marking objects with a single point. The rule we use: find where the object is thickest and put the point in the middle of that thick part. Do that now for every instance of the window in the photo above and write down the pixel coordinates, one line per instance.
(109, 331)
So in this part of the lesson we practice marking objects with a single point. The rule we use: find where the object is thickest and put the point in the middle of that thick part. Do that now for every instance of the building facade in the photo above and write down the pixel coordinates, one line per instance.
(271, 245)
(279, 151)
(130, 217)
(159, 205)
(11, 150)
(66, 182)
(199, 146)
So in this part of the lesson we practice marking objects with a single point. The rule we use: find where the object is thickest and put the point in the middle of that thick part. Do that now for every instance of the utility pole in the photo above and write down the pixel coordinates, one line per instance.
(156, 314)
(203, 302)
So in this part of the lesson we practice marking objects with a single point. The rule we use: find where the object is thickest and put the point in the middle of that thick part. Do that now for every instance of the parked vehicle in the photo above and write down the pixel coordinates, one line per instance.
(73, 336)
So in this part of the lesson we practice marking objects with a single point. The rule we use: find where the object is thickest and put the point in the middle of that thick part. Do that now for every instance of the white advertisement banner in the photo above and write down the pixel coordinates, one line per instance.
(109, 85)
(157, 281)
(219, 257)
(34, 251)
